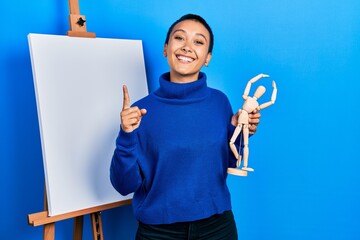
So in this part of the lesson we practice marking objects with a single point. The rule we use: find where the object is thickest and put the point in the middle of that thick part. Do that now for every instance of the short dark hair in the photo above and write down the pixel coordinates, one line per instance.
(196, 18)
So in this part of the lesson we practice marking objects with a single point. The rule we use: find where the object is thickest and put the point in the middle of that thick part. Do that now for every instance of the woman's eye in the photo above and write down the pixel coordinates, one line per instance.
(199, 42)
(179, 38)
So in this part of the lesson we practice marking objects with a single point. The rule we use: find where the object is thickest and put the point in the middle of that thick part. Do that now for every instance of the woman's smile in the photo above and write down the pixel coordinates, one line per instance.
(185, 59)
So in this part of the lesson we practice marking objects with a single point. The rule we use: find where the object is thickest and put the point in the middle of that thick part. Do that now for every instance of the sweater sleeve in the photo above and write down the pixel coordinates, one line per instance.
(125, 173)
(231, 129)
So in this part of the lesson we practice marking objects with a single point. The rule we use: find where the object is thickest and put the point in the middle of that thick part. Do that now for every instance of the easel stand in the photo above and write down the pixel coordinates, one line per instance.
(77, 29)
(77, 22)
(43, 219)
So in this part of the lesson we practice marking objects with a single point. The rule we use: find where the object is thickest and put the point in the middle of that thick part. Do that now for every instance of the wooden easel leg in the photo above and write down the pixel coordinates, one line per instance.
(78, 227)
(97, 226)
(49, 231)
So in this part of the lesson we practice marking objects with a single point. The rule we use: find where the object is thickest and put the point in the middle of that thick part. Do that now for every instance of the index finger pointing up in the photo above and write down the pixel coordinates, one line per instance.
(126, 101)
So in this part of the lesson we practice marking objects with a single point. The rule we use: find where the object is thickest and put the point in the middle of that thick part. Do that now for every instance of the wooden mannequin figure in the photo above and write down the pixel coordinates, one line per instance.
(249, 105)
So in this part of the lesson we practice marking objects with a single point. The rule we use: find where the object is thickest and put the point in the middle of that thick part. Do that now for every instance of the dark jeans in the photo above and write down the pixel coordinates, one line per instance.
(217, 227)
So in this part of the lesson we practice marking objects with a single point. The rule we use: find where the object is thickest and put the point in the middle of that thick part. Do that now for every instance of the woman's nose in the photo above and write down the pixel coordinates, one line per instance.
(186, 48)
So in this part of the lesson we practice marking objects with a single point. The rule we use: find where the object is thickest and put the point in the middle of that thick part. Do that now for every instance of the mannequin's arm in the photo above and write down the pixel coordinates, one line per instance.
(251, 81)
(273, 98)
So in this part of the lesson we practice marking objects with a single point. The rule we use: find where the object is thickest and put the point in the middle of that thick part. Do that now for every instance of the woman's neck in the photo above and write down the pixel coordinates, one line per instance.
(177, 78)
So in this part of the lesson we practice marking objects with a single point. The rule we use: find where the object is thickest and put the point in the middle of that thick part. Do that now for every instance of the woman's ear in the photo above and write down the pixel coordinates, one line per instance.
(208, 58)
(165, 50)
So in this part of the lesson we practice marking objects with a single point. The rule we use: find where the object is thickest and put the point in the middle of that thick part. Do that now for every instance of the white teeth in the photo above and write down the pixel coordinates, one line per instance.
(186, 59)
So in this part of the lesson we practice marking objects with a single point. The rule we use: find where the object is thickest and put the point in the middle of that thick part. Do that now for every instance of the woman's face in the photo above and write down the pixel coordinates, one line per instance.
(187, 51)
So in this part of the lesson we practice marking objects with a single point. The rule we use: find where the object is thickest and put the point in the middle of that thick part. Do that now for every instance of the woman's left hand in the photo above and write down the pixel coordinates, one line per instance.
(254, 120)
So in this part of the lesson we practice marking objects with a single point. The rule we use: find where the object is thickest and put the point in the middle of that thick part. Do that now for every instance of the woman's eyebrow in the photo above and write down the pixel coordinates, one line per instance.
(182, 30)
(179, 30)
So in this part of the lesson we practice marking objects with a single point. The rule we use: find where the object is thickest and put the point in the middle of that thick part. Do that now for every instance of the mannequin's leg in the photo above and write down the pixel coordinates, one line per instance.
(232, 145)
(246, 148)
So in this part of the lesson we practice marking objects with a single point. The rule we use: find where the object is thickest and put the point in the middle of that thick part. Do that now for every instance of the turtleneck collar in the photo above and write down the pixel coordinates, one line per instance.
(192, 91)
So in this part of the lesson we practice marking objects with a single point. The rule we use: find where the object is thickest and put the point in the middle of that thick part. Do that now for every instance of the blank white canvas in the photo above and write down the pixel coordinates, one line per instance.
(78, 85)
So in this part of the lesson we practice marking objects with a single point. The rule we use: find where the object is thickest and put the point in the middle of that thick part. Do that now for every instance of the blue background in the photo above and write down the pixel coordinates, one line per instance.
(305, 154)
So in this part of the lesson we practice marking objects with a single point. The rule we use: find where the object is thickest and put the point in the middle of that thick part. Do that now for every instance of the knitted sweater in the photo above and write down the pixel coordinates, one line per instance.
(176, 161)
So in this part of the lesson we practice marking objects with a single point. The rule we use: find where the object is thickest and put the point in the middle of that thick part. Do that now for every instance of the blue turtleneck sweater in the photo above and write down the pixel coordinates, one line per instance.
(176, 161)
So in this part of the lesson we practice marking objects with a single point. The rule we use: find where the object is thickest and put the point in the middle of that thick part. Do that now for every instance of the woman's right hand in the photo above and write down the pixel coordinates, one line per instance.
(130, 116)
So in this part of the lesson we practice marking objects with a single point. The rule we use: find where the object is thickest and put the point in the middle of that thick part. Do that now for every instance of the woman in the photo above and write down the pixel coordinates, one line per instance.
(172, 150)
